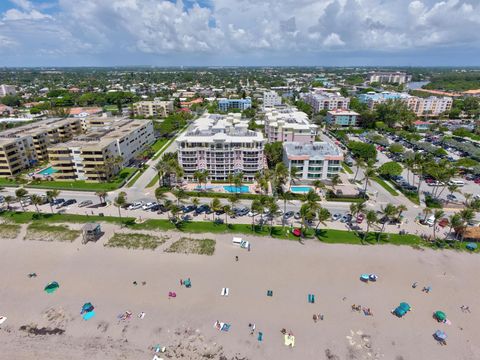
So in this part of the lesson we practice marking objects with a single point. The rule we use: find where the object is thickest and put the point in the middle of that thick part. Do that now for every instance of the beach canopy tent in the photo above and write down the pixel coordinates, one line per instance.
(364, 277)
(187, 283)
(51, 287)
(472, 246)
(440, 335)
(402, 309)
(440, 316)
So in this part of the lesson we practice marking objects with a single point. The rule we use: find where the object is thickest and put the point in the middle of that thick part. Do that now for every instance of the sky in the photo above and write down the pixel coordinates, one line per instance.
(239, 32)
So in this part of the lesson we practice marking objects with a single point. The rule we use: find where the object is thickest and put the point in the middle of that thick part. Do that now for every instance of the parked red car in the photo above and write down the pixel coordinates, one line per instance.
(360, 218)
(443, 222)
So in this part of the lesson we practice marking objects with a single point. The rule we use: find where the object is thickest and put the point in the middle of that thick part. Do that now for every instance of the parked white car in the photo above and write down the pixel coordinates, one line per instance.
(135, 205)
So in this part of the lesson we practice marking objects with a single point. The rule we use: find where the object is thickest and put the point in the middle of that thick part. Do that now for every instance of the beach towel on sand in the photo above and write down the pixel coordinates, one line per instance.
(289, 340)
(88, 315)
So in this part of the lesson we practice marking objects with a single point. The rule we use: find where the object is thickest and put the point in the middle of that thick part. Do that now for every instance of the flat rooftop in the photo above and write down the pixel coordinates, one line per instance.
(313, 151)
(211, 127)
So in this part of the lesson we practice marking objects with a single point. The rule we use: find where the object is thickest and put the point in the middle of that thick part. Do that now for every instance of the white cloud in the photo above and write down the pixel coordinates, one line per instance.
(243, 27)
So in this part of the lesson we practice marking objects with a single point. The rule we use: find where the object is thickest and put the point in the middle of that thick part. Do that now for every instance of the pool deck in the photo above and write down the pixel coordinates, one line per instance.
(219, 188)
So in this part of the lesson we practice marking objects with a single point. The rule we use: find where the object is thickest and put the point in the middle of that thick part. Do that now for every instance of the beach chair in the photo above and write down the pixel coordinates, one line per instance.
(269, 292)
(289, 340)
(225, 291)
(225, 327)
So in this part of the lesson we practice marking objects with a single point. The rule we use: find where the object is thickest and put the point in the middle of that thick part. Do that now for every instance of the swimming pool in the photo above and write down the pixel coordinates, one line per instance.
(48, 171)
(236, 189)
(300, 189)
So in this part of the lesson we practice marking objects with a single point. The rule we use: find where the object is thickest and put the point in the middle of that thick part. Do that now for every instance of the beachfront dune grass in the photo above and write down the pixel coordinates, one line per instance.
(136, 241)
(330, 236)
(192, 246)
(46, 232)
(9, 231)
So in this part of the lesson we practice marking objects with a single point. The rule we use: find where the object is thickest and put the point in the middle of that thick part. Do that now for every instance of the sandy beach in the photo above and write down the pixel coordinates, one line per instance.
(184, 325)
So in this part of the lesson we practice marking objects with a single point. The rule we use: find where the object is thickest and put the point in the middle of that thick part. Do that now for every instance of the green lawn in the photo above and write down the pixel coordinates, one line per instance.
(157, 145)
(165, 148)
(27, 217)
(386, 186)
(350, 237)
(134, 178)
(81, 185)
(153, 182)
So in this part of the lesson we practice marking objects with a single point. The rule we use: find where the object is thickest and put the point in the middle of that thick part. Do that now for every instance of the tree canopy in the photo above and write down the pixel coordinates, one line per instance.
(390, 169)
(363, 150)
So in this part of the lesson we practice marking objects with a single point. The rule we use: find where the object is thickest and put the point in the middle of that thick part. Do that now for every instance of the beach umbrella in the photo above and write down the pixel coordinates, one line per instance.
(440, 316)
(440, 335)
(471, 246)
(51, 287)
(364, 277)
(87, 307)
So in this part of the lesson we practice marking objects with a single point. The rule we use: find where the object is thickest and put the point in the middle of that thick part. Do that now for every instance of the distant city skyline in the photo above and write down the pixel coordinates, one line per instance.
(239, 33)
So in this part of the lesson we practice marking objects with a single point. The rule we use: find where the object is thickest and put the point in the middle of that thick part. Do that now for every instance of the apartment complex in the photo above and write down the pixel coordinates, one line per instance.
(316, 161)
(221, 145)
(271, 99)
(372, 98)
(431, 106)
(342, 118)
(7, 90)
(289, 125)
(326, 101)
(101, 151)
(225, 105)
(27, 145)
(386, 77)
(155, 108)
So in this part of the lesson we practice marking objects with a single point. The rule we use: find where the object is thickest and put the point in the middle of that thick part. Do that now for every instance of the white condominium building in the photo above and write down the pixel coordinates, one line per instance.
(221, 145)
(289, 125)
(155, 108)
(326, 101)
(389, 77)
(317, 161)
(271, 99)
(7, 90)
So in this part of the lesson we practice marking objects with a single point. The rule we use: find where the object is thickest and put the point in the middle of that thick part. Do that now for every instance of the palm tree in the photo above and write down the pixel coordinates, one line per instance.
(195, 202)
(388, 212)
(318, 184)
(409, 165)
(174, 210)
(215, 205)
(238, 179)
(234, 199)
(285, 196)
(401, 208)
(37, 200)
(119, 202)
(372, 219)
(168, 206)
(230, 179)
(452, 189)
(455, 221)
(306, 214)
(311, 198)
(335, 180)
(51, 196)
(368, 174)
(160, 195)
(360, 165)
(427, 212)
(180, 195)
(102, 196)
(322, 215)
(197, 175)
(437, 215)
(468, 197)
(273, 210)
(256, 207)
(8, 200)
(20, 193)
(228, 211)
(467, 215)
(161, 168)
(294, 175)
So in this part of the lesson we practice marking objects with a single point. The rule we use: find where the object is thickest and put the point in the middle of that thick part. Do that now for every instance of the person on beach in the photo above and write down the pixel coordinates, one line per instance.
(236, 258)
(134, 283)
(315, 317)
(414, 285)
(320, 316)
